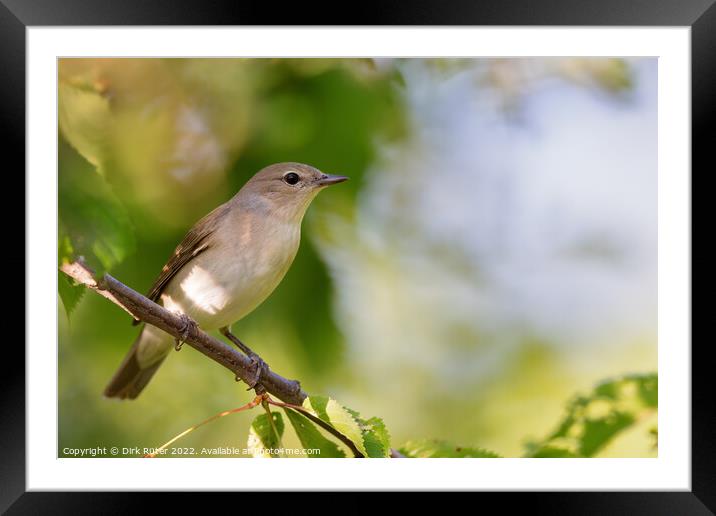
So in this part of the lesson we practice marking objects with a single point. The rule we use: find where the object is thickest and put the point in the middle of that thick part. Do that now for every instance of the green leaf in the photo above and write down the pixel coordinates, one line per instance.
(600, 431)
(434, 448)
(375, 436)
(93, 223)
(369, 436)
(70, 293)
(84, 117)
(376, 426)
(263, 441)
(311, 438)
(592, 421)
(333, 413)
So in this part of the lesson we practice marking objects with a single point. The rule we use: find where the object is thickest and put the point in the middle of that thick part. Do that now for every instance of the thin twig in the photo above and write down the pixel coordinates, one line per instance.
(251, 404)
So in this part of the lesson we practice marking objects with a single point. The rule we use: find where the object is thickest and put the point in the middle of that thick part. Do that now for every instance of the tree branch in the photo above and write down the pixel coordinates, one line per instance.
(142, 308)
(148, 311)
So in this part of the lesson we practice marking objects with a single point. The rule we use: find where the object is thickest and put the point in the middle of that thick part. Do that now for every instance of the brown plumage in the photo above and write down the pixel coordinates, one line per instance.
(195, 242)
(227, 264)
(130, 378)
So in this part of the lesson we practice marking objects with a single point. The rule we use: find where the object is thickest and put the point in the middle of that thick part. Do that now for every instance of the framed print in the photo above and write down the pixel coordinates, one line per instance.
(461, 250)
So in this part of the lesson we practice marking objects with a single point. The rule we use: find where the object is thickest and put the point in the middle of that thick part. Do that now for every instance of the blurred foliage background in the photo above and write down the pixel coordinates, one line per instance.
(493, 254)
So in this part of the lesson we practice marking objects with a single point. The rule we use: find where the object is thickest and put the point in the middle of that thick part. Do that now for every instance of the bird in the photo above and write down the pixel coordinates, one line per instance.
(228, 263)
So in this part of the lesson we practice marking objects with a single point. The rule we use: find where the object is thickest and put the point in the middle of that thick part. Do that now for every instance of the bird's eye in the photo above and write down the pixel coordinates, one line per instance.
(291, 178)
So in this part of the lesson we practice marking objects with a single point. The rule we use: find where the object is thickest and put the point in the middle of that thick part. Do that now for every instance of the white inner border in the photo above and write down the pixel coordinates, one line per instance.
(671, 470)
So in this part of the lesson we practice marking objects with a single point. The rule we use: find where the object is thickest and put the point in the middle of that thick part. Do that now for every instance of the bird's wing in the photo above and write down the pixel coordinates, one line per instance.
(196, 241)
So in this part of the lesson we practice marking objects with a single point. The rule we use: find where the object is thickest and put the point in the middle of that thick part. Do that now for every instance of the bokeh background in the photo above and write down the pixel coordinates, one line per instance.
(493, 255)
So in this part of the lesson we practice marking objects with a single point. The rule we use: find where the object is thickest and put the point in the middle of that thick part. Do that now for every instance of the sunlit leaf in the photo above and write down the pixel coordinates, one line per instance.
(369, 436)
(94, 222)
(333, 413)
(375, 435)
(592, 421)
(263, 441)
(377, 427)
(84, 116)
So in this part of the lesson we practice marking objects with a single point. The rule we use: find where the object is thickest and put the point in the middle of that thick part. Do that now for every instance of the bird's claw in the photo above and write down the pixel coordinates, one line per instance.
(187, 326)
(259, 368)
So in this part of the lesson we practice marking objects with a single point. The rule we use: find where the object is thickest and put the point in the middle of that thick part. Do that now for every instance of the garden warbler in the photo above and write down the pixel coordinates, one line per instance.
(227, 265)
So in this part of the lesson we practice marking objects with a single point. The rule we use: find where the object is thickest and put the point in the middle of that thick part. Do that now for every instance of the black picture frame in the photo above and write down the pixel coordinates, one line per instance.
(17, 15)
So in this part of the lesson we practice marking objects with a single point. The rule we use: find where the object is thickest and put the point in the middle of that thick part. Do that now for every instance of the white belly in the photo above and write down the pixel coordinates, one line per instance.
(218, 294)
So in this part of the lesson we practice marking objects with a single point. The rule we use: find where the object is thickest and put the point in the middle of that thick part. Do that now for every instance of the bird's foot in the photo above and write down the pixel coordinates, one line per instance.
(188, 325)
(258, 369)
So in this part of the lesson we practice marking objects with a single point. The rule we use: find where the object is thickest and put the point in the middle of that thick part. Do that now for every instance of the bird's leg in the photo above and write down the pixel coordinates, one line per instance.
(257, 363)
(187, 325)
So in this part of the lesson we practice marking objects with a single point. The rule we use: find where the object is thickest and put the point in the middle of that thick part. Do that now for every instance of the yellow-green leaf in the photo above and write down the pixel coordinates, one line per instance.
(594, 420)
(84, 117)
(93, 221)
(263, 442)
(369, 436)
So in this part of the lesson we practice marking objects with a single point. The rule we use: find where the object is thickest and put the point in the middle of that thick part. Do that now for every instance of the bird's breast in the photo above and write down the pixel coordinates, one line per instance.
(231, 278)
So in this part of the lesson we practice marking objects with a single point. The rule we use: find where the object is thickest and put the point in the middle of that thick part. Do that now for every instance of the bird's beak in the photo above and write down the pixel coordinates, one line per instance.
(328, 179)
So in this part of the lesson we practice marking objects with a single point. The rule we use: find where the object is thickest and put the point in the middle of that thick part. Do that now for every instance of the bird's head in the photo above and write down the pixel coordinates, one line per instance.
(287, 189)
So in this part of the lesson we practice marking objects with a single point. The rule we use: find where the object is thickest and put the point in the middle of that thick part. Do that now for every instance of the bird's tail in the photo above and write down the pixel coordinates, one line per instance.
(139, 365)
